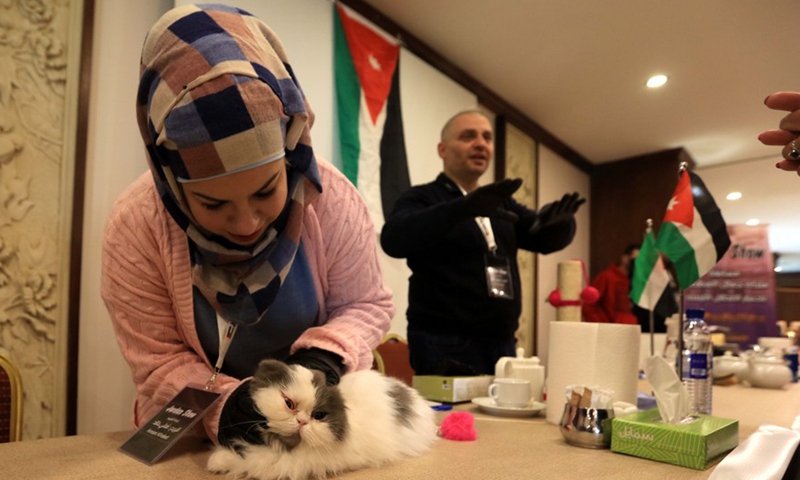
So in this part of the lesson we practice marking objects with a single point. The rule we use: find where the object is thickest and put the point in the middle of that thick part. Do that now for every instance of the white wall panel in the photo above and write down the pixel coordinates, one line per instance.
(557, 177)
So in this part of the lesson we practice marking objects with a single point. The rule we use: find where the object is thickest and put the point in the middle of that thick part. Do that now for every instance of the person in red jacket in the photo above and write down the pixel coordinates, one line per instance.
(614, 285)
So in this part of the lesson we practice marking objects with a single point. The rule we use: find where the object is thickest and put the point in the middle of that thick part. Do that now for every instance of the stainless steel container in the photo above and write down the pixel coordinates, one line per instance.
(586, 427)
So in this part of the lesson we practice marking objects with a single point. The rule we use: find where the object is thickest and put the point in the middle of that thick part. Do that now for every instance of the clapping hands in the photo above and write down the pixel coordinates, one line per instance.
(557, 212)
(487, 201)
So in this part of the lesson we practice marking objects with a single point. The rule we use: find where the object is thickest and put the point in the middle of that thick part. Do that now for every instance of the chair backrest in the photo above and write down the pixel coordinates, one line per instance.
(377, 362)
(10, 401)
(392, 358)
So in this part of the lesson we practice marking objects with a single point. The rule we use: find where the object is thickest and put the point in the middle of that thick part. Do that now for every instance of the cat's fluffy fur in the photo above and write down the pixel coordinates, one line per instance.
(315, 430)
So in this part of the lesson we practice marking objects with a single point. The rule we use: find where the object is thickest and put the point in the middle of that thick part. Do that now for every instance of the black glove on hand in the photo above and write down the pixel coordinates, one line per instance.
(557, 212)
(487, 201)
(239, 419)
(317, 359)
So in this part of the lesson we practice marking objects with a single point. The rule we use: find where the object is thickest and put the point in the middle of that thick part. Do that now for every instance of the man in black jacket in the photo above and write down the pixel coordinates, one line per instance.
(461, 242)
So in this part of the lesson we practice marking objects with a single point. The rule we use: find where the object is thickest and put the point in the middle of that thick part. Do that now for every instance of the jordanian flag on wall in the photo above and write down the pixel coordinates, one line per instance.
(650, 285)
(693, 234)
(367, 72)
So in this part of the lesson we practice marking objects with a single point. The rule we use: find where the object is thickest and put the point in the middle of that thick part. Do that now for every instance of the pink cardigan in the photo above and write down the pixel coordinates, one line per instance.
(147, 288)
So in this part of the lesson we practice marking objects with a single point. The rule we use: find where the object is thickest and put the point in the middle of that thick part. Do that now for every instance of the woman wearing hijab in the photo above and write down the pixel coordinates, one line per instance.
(238, 238)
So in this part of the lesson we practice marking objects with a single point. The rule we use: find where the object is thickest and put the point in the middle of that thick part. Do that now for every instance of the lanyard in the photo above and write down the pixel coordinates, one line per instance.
(485, 225)
(486, 228)
(227, 330)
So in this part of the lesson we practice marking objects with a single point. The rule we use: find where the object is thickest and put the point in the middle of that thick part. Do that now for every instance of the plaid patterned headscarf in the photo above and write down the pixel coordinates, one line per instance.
(217, 95)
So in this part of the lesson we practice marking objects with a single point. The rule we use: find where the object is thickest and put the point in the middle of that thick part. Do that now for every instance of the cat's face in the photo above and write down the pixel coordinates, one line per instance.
(298, 405)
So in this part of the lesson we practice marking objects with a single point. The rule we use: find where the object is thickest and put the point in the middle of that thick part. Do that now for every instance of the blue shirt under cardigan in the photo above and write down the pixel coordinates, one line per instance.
(294, 311)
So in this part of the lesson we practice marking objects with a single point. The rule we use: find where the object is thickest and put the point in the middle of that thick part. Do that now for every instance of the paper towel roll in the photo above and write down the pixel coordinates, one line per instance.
(605, 355)
(570, 275)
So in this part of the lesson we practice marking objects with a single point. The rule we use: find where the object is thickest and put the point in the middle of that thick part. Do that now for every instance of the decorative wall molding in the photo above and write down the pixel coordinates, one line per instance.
(39, 62)
(520, 162)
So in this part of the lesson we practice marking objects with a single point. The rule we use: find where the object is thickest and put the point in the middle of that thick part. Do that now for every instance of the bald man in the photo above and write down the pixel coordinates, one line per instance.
(460, 242)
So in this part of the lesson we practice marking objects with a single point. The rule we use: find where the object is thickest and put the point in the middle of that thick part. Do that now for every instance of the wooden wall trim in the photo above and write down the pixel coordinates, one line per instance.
(76, 240)
(499, 147)
(787, 280)
(487, 97)
(625, 193)
(660, 156)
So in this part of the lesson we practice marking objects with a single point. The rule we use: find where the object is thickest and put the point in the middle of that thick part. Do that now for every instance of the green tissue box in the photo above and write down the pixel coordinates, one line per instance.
(696, 445)
(451, 389)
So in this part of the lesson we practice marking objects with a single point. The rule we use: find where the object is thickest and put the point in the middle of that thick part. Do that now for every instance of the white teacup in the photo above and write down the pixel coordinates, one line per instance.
(511, 392)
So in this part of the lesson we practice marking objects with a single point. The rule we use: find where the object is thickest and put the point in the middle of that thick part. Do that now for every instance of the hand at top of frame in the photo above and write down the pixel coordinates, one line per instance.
(788, 129)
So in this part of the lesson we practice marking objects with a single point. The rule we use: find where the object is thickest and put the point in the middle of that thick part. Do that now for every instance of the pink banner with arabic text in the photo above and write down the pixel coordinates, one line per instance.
(739, 292)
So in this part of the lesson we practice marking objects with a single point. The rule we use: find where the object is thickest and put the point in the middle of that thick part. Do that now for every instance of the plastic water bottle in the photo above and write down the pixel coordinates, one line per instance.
(697, 355)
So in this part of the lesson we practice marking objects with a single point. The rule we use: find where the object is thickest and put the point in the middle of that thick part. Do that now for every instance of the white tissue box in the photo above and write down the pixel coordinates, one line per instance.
(696, 445)
(451, 389)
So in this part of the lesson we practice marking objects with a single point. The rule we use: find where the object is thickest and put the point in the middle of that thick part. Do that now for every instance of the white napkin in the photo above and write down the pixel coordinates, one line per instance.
(764, 455)
(590, 397)
(671, 396)
(624, 408)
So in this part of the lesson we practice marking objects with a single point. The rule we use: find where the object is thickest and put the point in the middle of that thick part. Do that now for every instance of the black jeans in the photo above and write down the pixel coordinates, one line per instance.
(451, 354)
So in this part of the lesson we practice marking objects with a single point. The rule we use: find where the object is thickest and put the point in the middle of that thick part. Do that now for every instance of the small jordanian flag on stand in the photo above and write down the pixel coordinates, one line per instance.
(367, 72)
(693, 234)
(650, 286)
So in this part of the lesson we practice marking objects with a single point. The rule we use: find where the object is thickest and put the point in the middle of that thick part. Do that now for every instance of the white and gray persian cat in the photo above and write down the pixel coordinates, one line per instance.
(314, 430)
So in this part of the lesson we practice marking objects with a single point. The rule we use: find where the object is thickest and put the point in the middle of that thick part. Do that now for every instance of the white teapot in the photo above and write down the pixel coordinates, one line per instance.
(768, 372)
(528, 368)
(729, 364)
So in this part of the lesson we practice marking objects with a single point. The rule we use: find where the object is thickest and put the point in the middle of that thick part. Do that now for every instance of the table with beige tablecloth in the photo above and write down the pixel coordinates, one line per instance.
(506, 449)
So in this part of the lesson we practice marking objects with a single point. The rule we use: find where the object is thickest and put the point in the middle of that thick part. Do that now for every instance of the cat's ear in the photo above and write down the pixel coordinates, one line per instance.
(272, 372)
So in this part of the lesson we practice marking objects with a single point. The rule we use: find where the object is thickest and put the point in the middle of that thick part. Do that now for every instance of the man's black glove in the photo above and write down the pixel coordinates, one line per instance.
(317, 359)
(487, 201)
(557, 212)
(239, 419)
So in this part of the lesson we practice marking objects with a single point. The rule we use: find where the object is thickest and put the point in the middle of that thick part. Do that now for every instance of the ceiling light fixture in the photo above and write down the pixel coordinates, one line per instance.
(734, 196)
(752, 222)
(656, 81)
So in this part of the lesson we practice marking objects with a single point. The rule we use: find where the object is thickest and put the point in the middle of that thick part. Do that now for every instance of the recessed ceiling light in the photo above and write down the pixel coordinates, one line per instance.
(752, 222)
(734, 196)
(778, 269)
(656, 81)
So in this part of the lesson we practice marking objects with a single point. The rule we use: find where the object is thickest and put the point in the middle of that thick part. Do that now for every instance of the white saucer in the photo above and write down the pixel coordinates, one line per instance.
(487, 405)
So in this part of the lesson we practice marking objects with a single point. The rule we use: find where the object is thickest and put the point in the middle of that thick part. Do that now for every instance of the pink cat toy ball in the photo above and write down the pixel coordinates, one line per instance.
(459, 426)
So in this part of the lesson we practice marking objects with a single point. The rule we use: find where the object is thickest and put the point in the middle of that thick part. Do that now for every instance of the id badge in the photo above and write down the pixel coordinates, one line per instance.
(177, 417)
(498, 277)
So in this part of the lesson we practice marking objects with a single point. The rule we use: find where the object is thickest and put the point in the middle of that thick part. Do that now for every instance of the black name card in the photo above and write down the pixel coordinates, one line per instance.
(157, 436)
